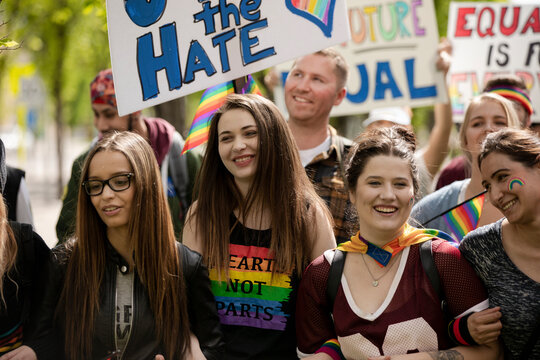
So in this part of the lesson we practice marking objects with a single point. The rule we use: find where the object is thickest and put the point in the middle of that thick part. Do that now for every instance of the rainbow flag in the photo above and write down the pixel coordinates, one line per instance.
(464, 217)
(211, 100)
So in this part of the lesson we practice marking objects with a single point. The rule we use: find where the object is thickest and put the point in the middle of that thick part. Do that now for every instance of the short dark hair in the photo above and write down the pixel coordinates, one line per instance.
(505, 80)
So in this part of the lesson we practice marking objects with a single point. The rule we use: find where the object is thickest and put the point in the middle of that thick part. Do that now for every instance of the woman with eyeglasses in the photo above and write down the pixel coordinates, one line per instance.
(124, 288)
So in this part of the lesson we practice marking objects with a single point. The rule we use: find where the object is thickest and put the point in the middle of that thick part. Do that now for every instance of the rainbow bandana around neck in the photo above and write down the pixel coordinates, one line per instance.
(514, 93)
(382, 256)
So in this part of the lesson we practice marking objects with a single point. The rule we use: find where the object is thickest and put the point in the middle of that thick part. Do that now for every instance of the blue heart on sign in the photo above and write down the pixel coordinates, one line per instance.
(319, 12)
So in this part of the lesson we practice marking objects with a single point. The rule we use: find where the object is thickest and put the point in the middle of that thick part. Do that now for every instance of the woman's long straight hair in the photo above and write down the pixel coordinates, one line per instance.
(280, 184)
(8, 249)
(154, 249)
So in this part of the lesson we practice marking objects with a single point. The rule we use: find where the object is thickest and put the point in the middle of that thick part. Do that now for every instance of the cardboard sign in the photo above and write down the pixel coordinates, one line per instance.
(391, 56)
(491, 38)
(162, 50)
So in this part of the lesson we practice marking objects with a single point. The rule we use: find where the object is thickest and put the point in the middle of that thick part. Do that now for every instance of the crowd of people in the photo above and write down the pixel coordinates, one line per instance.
(283, 239)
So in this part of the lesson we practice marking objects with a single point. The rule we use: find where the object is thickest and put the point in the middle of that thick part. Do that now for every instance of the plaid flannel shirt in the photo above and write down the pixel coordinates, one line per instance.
(326, 174)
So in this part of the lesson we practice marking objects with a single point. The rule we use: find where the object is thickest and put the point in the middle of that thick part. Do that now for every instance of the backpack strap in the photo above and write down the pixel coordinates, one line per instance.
(178, 170)
(11, 190)
(26, 261)
(334, 276)
(428, 263)
(341, 161)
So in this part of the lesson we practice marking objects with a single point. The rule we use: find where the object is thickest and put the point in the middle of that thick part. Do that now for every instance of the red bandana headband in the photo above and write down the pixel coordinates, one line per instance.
(102, 89)
(514, 93)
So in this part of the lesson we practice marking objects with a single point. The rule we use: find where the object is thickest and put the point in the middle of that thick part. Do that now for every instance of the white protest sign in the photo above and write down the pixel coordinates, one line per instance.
(490, 38)
(162, 50)
(391, 57)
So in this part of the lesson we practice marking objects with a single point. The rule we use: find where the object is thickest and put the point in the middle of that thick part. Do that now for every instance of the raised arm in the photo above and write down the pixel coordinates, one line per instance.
(437, 148)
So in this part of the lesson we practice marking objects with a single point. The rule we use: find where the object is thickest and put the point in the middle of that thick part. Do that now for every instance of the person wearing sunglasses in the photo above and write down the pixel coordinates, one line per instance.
(123, 288)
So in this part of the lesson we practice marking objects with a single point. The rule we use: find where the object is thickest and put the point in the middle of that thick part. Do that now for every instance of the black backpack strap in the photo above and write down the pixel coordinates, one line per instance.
(24, 235)
(11, 190)
(334, 276)
(341, 161)
(428, 263)
(178, 170)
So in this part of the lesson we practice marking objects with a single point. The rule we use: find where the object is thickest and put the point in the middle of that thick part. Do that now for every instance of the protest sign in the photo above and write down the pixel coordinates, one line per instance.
(391, 56)
(161, 50)
(491, 38)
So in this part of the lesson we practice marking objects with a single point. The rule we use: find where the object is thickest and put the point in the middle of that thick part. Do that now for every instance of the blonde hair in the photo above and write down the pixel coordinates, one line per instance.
(509, 111)
(8, 249)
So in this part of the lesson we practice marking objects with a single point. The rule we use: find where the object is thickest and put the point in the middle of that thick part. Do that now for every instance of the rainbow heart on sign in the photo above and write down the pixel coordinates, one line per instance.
(319, 12)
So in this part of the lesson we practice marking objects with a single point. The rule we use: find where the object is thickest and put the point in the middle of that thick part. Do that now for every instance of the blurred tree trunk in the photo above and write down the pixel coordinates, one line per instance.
(57, 90)
(174, 112)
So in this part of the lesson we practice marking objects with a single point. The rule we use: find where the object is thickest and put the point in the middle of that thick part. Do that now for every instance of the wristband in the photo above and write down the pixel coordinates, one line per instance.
(332, 349)
(459, 331)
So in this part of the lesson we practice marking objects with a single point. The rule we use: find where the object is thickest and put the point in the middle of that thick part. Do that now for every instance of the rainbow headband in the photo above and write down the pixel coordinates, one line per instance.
(516, 94)
(514, 181)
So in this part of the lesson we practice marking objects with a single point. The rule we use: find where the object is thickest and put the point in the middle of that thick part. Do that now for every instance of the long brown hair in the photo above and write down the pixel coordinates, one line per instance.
(8, 248)
(280, 184)
(154, 251)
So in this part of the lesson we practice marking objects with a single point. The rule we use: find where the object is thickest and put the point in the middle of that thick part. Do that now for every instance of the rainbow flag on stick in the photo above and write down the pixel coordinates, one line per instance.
(211, 100)
(463, 218)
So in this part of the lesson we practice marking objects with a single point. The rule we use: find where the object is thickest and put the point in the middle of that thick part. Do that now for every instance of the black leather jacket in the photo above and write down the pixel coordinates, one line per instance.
(142, 343)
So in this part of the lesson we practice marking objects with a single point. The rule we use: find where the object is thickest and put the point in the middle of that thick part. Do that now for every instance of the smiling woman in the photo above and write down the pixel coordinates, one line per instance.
(124, 288)
(509, 250)
(486, 113)
(258, 222)
(385, 304)
(238, 145)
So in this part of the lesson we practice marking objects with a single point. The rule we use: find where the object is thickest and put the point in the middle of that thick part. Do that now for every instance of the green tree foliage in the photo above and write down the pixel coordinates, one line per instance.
(441, 11)
(5, 43)
(67, 41)
(423, 117)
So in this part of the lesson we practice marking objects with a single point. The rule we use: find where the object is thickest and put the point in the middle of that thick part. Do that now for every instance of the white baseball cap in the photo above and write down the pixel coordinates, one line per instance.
(396, 115)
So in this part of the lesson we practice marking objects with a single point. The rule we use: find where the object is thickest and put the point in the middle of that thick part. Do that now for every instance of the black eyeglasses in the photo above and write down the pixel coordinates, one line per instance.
(116, 183)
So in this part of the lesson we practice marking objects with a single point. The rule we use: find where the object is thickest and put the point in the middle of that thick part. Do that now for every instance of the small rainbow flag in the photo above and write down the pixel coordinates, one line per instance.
(442, 235)
(464, 217)
(211, 101)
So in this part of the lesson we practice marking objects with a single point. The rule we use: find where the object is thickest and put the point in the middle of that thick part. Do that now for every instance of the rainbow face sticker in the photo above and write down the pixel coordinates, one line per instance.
(515, 181)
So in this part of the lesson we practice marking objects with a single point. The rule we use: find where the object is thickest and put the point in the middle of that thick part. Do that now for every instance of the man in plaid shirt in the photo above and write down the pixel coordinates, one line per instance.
(315, 84)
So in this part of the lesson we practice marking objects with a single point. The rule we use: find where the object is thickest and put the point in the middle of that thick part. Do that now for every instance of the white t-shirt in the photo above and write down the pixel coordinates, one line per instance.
(124, 308)
(309, 154)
